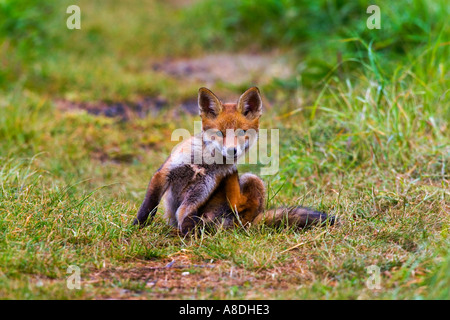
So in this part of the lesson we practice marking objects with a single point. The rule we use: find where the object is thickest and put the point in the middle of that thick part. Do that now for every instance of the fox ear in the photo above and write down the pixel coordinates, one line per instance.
(250, 103)
(208, 103)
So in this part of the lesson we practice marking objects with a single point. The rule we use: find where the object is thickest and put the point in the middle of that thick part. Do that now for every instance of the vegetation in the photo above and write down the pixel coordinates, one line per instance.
(364, 135)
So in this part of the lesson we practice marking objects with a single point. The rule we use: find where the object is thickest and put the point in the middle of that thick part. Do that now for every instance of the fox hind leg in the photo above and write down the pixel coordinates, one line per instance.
(252, 198)
(237, 200)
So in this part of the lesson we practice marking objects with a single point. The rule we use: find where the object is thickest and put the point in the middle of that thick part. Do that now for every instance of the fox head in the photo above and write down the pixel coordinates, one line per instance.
(231, 127)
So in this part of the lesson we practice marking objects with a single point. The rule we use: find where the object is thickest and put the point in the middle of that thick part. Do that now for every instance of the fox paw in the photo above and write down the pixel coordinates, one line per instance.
(188, 225)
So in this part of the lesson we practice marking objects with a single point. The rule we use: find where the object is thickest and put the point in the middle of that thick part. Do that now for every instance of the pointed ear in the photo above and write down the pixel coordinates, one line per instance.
(250, 103)
(208, 103)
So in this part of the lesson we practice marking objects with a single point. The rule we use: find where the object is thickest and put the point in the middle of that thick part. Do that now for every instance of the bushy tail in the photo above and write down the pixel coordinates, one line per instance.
(299, 217)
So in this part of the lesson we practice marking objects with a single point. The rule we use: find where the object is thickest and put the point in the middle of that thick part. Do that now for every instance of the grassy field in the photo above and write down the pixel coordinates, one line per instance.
(86, 117)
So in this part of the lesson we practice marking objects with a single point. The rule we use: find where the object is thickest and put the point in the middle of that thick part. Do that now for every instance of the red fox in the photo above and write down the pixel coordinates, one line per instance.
(200, 180)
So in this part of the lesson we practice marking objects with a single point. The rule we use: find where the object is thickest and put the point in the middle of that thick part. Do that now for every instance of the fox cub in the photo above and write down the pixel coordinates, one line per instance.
(200, 181)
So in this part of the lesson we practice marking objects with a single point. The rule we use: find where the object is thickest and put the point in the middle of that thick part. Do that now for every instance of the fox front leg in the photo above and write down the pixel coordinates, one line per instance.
(195, 197)
(156, 188)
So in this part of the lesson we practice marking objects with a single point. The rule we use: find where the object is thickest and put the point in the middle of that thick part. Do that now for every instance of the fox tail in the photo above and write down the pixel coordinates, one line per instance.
(300, 217)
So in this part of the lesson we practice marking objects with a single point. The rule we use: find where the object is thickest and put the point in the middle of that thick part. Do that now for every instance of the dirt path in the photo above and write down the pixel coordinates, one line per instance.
(234, 69)
(208, 70)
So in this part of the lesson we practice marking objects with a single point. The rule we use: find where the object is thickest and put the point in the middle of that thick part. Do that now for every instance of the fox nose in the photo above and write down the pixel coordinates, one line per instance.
(231, 152)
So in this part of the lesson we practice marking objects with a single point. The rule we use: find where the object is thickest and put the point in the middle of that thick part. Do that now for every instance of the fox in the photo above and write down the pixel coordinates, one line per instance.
(200, 183)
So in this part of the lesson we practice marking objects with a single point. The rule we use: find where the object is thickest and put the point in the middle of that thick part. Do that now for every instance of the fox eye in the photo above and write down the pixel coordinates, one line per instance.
(240, 132)
(219, 134)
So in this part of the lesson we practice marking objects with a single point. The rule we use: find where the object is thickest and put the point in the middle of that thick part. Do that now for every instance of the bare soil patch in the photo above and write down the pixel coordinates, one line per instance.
(180, 277)
(125, 110)
(234, 69)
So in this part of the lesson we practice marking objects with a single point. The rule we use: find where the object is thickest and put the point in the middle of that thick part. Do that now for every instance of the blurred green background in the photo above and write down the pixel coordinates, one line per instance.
(119, 39)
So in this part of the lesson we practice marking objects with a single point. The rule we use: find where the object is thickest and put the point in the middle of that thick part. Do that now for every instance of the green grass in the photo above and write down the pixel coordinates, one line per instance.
(363, 136)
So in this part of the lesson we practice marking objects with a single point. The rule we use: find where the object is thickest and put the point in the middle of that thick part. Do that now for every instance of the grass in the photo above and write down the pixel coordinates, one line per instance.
(364, 137)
